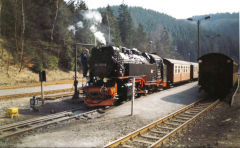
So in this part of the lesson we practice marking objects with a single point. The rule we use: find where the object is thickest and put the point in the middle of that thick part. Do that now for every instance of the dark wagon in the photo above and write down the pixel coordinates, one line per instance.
(217, 73)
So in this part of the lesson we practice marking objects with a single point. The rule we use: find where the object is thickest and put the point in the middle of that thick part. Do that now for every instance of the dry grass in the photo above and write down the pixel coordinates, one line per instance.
(26, 76)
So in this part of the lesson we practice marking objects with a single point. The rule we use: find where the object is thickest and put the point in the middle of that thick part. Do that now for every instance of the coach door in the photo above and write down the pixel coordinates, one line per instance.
(191, 72)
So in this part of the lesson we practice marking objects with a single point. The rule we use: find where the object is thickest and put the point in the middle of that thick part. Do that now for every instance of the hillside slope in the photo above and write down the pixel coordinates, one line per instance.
(184, 32)
(10, 76)
(223, 23)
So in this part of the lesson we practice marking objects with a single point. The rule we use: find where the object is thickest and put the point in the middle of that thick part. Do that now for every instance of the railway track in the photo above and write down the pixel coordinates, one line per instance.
(32, 124)
(59, 93)
(154, 134)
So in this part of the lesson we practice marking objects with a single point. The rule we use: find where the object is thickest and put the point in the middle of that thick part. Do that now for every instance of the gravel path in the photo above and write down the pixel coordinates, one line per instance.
(115, 122)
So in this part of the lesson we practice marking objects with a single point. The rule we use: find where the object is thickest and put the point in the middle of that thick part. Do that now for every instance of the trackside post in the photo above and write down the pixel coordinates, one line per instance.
(133, 95)
(42, 77)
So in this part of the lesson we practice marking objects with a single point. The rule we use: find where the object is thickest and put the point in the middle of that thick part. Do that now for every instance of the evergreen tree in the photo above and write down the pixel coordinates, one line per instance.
(109, 22)
(140, 40)
(125, 25)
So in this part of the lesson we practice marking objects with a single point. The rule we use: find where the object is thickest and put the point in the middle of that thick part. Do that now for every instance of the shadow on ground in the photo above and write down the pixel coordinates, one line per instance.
(187, 95)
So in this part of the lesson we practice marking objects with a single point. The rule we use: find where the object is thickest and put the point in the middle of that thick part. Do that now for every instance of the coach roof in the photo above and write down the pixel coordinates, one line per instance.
(173, 61)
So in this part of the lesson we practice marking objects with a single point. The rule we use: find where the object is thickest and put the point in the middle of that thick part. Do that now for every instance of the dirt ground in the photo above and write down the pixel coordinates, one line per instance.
(217, 128)
(115, 123)
(23, 104)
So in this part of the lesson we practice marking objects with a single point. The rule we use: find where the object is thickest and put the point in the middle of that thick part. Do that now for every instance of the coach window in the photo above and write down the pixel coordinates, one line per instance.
(175, 69)
(178, 69)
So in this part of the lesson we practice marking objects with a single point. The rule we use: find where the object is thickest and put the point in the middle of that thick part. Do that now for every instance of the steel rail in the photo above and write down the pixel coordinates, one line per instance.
(34, 93)
(233, 97)
(32, 124)
(185, 124)
(55, 96)
(140, 132)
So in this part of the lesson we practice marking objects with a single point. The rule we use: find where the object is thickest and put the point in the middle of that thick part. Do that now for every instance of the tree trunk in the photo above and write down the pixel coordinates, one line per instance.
(2, 54)
(8, 63)
(22, 37)
(0, 17)
(16, 19)
(55, 19)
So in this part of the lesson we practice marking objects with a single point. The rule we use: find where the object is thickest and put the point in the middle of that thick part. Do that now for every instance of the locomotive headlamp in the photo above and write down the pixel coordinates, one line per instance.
(199, 61)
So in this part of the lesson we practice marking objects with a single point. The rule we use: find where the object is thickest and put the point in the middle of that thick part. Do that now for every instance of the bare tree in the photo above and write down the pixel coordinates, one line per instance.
(8, 63)
(16, 20)
(22, 36)
(0, 15)
(55, 19)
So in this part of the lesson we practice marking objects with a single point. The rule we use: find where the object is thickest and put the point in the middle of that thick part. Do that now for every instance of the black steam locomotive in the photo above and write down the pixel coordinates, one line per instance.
(111, 70)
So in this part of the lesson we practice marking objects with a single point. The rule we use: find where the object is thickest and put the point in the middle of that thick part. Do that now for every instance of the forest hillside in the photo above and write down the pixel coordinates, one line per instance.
(41, 35)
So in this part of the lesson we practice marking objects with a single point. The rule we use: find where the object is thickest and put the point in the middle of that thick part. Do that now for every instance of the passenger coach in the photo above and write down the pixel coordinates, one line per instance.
(177, 71)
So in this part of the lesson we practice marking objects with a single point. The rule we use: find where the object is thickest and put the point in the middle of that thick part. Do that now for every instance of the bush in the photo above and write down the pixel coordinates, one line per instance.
(50, 62)
(37, 64)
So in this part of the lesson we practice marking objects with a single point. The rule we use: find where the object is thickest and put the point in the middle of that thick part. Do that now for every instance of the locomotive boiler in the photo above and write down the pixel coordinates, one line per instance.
(111, 69)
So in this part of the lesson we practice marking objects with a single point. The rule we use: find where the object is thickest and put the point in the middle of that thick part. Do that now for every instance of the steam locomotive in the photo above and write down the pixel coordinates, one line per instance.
(112, 69)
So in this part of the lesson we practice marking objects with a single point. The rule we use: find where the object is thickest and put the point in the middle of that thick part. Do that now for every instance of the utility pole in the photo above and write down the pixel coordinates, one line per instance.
(76, 92)
(198, 25)
(198, 28)
(133, 95)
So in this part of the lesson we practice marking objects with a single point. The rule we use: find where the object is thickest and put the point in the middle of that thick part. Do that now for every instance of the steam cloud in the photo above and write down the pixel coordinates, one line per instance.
(80, 24)
(73, 28)
(95, 18)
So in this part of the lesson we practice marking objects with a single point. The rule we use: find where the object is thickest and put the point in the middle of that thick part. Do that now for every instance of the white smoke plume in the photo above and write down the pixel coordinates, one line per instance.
(73, 28)
(93, 16)
(98, 35)
(80, 24)
(95, 19)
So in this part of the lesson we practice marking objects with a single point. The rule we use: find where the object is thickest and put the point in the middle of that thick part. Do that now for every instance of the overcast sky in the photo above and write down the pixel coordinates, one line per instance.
(177, 8)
